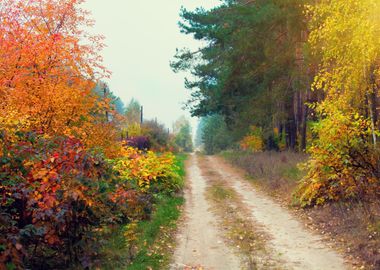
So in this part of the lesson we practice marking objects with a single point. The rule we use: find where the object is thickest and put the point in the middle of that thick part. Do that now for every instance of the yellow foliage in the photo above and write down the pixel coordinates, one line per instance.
(335, 169)
(146, 168)
(253, 141)
(134, 130)
(344, 36)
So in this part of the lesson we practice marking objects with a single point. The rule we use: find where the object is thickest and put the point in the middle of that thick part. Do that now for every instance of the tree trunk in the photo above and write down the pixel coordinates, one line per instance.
(305, 113)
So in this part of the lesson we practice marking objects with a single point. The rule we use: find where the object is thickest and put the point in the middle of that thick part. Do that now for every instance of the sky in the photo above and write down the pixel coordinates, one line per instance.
(141, 39)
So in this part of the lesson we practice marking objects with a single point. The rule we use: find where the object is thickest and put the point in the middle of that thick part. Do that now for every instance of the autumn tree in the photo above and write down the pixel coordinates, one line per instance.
(49, 65)
(344, 161)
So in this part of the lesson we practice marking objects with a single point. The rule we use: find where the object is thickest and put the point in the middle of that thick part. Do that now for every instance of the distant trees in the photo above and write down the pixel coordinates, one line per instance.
(104, 93)
(133, 112)
(214, 134)
(157, 133)
(154, 133)
(183, 134)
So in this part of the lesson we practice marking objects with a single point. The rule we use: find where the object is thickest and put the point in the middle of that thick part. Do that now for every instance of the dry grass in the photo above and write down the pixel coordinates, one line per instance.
(276, 172)
(351, 228)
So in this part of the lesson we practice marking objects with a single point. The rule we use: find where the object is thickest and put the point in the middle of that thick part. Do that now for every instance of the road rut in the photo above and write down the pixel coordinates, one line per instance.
(200, 243)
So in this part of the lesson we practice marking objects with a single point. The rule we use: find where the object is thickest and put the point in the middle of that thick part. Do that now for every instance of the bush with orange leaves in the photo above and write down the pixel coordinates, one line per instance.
(253, 141)
(53, 195)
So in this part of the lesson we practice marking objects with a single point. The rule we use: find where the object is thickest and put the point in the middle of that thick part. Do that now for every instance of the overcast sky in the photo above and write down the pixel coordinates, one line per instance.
(141, 38)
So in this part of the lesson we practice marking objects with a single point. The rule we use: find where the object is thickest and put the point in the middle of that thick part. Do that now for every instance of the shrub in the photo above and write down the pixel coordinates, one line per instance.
(344, 164)
(141, 142)
(253, 141)
(148, 170)
(53, 193)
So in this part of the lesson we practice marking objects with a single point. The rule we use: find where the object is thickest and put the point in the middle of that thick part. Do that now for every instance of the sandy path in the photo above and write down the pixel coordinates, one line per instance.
(199, 241)
(299, 248)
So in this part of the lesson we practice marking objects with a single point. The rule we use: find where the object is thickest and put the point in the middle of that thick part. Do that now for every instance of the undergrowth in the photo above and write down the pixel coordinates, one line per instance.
(146, 244)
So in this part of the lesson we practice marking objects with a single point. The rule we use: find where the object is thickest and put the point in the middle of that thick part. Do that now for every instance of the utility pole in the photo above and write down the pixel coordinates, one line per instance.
(142, 114)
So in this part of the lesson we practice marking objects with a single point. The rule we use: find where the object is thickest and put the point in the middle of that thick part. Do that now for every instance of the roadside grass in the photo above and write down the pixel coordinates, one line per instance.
(155, 236)
(180, 163)
(351, 227)
(147, 244)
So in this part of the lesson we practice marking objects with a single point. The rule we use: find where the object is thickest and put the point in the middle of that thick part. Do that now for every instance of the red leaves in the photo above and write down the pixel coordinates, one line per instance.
(56, 190)
(123, 195)
(56, 37)
(51, 238)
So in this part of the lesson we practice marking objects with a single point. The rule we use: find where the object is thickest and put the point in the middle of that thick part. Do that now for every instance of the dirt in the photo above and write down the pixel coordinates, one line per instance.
(201, 242)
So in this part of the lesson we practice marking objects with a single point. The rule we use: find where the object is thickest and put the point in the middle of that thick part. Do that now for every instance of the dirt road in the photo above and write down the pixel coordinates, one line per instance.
(201, 242)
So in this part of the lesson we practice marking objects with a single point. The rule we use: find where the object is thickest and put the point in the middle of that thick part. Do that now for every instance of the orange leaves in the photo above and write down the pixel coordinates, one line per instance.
(123, 195)
(48, 70)
(51, 238)
(253, 141)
